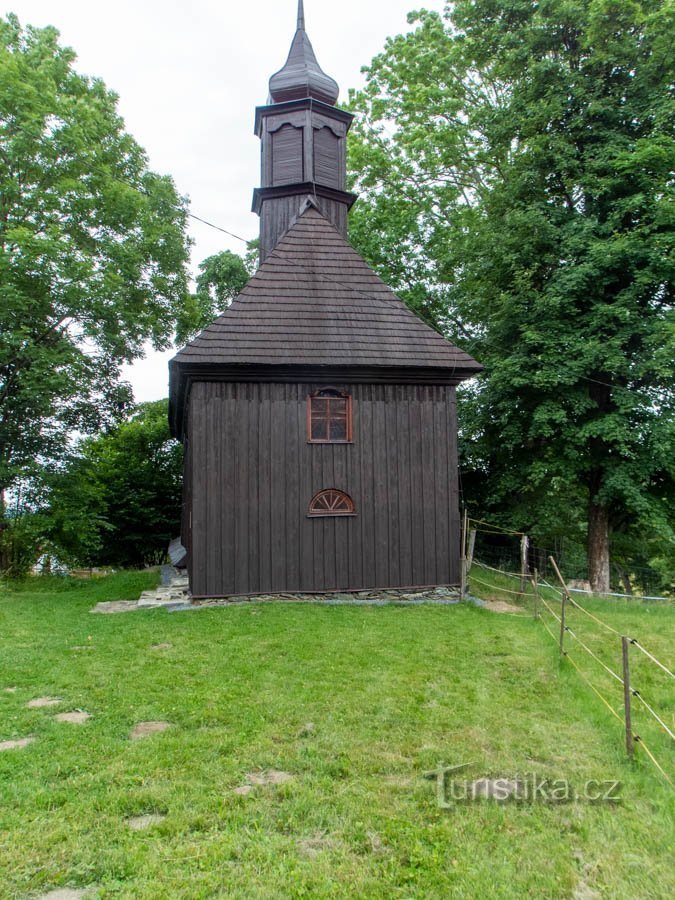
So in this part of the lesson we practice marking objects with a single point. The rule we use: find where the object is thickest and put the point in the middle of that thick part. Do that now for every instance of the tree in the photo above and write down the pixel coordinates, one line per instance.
(221, 277)
(93, 252)
(522, 152)
(118, 501)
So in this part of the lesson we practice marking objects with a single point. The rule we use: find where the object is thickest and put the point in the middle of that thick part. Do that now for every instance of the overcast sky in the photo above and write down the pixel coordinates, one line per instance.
(189, 76)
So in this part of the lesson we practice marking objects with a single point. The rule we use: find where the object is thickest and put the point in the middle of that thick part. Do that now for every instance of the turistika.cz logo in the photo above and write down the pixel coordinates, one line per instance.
(530, 787)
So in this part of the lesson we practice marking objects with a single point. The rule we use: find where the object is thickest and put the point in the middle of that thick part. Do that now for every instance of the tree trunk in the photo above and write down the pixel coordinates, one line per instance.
(598, 548)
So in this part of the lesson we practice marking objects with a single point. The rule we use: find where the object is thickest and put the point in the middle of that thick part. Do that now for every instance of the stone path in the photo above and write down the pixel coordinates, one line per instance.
(174, 596)
(43, 702)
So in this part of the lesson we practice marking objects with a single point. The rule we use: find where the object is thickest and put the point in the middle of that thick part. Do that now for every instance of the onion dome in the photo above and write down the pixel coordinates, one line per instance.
(302, 76)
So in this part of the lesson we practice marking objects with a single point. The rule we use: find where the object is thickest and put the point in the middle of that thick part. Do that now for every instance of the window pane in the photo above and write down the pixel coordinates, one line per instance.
(338, 429)
(319, 429)
(338, 407)
(320, 407)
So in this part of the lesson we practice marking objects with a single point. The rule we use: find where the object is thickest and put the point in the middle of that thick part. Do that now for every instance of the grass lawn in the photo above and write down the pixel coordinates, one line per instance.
(356, 704)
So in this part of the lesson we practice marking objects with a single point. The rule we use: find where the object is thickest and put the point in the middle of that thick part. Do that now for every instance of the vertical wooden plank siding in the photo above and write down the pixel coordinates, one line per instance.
(252, 474)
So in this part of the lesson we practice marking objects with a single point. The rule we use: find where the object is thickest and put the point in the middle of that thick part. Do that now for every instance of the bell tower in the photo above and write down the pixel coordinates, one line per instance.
(303, 136)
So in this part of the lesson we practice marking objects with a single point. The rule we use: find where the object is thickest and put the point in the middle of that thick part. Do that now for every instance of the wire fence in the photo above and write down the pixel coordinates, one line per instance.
(552, 603)
(500, 548)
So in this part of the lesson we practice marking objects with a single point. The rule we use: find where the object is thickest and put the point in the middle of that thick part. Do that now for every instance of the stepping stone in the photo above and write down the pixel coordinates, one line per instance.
(88, 647)
(66, 894)
(141, 823)
(145, 729)
(77, 717)
(244, 790)
(16, 745)
(43, 702)
(264, 778)
(162, 647)
(109, 607)
(307, 729)
(11, 690)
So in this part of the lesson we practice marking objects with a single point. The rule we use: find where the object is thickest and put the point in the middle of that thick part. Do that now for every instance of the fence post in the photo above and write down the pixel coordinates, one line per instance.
(535, 588)
(524, 568)
(563, 607)
(626, 698)
(472, 547)
(465, 525)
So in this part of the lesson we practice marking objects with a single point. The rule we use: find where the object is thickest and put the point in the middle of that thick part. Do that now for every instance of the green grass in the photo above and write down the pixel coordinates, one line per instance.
(392, 693)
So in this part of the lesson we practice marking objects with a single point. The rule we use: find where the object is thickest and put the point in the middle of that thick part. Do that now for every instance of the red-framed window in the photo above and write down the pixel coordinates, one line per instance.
(331, 503)
(329, 417)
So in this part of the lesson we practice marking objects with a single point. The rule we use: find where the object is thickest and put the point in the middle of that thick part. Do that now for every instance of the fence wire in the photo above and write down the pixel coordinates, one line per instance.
(565, 593)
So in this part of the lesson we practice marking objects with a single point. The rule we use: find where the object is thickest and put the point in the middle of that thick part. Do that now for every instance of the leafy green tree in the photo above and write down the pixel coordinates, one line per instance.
(221, 277)
(93, 252)
(520, 154)
(118, 501)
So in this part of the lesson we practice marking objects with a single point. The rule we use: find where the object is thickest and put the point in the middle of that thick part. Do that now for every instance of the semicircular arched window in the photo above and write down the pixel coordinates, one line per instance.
(331, 503)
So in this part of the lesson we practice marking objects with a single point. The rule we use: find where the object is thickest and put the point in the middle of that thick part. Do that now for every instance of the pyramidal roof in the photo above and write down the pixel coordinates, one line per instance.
(316, 302)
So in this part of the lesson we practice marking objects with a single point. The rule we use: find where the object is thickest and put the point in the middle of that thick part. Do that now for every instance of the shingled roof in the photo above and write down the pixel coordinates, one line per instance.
(316, 302)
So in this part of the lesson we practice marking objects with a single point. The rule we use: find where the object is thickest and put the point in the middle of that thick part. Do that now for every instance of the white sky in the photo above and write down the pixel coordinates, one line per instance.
(189, 76)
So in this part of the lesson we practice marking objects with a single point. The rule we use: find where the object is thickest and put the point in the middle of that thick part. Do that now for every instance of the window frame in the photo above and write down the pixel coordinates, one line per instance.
(330, 513)
(332, 394)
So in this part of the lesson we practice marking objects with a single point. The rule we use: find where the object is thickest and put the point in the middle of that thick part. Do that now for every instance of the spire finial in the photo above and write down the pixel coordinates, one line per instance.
(301, 15)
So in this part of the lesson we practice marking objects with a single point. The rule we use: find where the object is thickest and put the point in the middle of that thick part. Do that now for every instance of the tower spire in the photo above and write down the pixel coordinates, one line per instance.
(302, 76)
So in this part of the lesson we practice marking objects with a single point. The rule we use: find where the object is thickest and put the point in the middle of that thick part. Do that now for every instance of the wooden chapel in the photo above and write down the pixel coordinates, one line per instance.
(317, 412)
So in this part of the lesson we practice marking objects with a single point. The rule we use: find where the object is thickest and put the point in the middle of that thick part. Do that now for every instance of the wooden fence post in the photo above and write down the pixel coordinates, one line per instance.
(626, 698)
(563, 607)
(535, 588)
(464, 586)
(524, 568)
(472, 547)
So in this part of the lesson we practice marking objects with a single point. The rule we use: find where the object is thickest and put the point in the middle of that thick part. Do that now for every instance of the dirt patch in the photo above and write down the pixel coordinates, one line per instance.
(317, 843)
(271, 777)
(262, 779)
(77, 649)
(67, 894)
(11, 690)
(500, 606)
(162, 647)
(43, 702)
(584, 892)
(115, 606)
(307, 730)
(142, 823)
(16, 745)
(145, 729)
(76, 717)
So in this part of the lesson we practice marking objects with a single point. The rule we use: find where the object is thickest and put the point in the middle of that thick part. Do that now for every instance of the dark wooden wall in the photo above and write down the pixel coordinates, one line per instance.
(252, 475)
